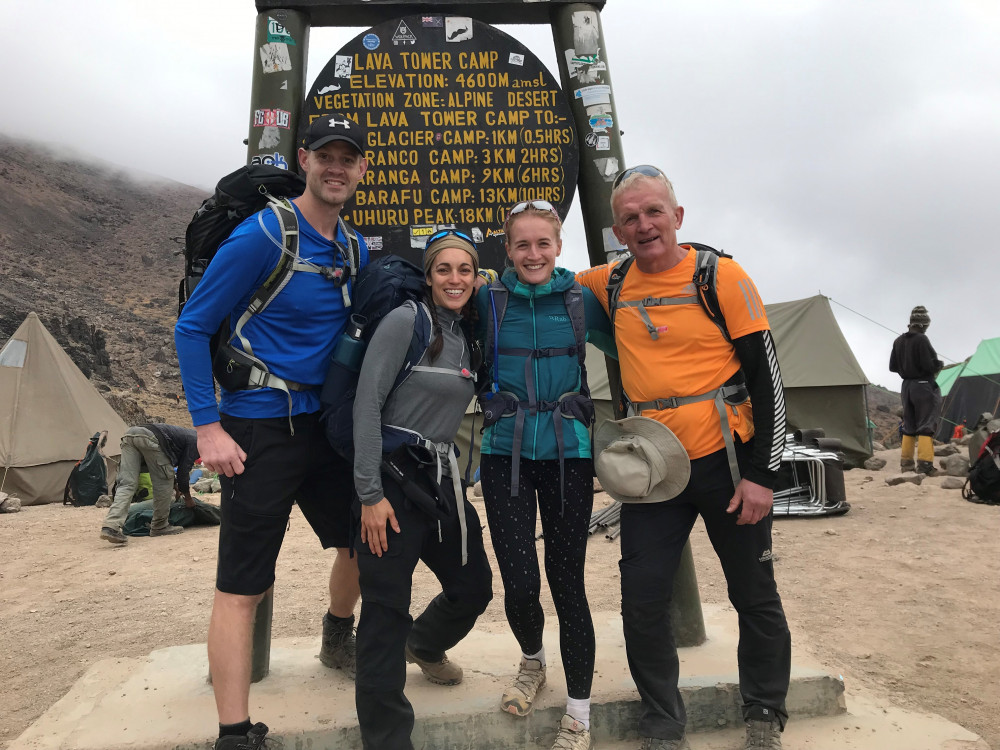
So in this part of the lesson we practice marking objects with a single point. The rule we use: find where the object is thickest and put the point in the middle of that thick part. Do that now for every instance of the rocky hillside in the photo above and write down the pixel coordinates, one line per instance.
(884, 409)
(92, 251)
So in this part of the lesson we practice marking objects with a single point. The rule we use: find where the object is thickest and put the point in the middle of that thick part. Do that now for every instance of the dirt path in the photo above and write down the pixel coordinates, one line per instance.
(901, 594)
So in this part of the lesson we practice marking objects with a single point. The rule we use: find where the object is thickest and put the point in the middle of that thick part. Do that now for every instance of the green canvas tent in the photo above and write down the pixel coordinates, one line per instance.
(48, 412)
(824, 384)
(948, 375)
(974, 389)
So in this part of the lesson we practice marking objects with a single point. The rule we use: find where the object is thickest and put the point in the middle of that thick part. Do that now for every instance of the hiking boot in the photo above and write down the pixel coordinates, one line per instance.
(255, 739)
(115, 536)
(572, 735)
(927, 467)
(655, 743)
(338, 650)
(166, 530)
(519, 696)
(763, 735)
(439, 672)
(906, 465)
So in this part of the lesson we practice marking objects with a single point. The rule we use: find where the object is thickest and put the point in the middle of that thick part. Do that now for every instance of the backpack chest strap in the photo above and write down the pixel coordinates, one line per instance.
(642, 304)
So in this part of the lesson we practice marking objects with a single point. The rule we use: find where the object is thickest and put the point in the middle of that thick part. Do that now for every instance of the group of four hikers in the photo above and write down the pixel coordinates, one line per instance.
(692, 444)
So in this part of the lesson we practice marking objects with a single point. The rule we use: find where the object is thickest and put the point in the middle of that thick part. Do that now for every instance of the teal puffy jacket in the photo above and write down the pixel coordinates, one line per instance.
(536, 318)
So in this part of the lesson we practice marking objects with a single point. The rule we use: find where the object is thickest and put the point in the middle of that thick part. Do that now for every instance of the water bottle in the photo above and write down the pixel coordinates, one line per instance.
(350, 349)
(345, 363)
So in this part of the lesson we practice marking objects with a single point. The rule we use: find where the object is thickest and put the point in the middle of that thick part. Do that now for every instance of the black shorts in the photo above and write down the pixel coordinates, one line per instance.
(280, 469)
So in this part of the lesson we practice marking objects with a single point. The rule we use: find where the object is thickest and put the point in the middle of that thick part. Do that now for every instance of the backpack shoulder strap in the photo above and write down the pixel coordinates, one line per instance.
(421, 339)
(705, 272)
(499, 295)
(282, 272)
(614, 288)
(353, 247)
(573, 299)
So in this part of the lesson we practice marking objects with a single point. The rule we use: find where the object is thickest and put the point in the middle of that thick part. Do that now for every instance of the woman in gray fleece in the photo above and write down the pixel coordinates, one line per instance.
(400, 522)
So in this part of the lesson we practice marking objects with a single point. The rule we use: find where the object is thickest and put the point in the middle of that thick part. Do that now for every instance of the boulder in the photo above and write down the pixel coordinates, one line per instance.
(948, 449)
(104, 501)
(956, 466)
(877, 446)
(477, 489)
(909, 477)
(9, 503)
(202, 485)
(216, 485)
(875, 463)
(952, 483)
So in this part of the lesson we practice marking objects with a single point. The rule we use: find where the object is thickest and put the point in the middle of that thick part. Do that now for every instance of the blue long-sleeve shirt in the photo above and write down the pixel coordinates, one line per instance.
(294, 335)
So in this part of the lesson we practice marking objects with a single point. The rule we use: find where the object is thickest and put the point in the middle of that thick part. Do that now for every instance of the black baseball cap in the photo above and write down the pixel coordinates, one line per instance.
(335, 127)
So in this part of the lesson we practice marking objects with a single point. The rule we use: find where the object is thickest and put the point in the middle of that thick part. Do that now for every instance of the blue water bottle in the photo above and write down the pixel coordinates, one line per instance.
(345, 363)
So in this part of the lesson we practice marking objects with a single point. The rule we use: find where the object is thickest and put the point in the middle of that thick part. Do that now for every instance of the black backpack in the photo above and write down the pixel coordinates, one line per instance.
(983, 484)
(238, 196)
(382, 286)
(88, 479)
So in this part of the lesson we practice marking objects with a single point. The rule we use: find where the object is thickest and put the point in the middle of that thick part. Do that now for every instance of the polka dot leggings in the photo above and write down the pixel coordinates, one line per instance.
(512, 528)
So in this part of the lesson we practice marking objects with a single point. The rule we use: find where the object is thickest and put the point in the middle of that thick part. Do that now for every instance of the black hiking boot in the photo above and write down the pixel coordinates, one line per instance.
(338, 648)
(255, 739)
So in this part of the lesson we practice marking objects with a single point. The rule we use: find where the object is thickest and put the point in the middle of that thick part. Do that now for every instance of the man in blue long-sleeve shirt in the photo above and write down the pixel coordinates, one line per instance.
(267, 443)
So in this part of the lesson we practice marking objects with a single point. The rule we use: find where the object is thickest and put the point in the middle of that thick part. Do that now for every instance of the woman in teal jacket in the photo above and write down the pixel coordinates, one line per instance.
(536, 453)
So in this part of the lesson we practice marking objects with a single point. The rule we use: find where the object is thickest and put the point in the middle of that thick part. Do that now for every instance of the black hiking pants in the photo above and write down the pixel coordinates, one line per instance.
(653, 536)
(921, 406)
(384, 714)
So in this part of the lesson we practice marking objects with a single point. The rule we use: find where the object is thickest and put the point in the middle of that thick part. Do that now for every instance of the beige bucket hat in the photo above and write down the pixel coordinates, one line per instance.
(640, 460)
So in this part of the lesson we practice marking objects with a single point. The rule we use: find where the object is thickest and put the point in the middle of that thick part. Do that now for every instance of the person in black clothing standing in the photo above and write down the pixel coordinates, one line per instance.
(161, 447)
(915, 361)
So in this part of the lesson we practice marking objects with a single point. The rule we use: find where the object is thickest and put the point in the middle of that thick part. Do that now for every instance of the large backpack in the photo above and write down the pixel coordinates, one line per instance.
(382, 286)
(732, 392)
(706, 264)
(88, 479)
(983, 484)
(239, 195)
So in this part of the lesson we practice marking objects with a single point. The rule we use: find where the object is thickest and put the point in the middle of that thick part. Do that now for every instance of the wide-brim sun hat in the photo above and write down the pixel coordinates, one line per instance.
(640, 460)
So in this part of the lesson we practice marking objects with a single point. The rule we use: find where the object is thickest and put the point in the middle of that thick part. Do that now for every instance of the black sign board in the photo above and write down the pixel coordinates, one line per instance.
(463, 122)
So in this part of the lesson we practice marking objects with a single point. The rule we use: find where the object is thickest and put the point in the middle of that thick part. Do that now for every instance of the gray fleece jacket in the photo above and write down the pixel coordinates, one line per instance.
(430, 403)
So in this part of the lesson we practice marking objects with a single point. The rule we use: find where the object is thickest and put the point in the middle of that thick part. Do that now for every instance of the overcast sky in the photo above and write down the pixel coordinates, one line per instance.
(849, 147)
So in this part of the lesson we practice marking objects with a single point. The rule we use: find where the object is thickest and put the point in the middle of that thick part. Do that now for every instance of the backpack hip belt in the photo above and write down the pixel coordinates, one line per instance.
(726, 395)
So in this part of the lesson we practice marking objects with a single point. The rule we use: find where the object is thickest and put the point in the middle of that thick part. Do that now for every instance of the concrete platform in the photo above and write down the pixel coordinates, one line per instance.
(164, 702)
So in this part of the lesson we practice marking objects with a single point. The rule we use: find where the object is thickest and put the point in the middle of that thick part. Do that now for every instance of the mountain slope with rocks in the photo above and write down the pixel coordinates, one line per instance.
(92, 250)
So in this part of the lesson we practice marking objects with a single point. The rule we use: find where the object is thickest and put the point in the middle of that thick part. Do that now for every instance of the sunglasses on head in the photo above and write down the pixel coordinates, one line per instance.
(537, 205)
(644, 169)
(449, 233)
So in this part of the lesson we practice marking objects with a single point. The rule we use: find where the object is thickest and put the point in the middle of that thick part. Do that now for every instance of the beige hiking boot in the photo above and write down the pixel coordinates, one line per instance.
(520, 694)
(572, 735)
(442, 672)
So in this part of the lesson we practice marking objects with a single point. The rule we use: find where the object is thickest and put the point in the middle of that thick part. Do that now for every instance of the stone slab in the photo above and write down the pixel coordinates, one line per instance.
(164, 702)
